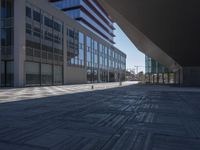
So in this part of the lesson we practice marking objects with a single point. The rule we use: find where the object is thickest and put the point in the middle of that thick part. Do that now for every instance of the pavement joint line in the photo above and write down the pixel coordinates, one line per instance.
(157, 117)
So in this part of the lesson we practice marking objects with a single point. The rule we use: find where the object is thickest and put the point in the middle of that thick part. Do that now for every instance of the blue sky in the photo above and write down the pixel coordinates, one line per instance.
(134, 56)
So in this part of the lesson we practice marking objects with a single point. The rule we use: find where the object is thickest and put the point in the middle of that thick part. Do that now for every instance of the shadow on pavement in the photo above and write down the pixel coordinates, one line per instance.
(134, 117)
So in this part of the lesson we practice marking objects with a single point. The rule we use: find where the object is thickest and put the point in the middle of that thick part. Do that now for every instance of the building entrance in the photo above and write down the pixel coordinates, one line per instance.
(7, 75)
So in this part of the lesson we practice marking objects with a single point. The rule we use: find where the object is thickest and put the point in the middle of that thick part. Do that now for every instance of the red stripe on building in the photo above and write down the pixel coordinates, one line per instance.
(95, 29)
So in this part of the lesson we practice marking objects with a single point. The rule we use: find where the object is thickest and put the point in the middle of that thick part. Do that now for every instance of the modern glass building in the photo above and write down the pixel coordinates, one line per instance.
(157, 73)
(90, 14)
(42, 45)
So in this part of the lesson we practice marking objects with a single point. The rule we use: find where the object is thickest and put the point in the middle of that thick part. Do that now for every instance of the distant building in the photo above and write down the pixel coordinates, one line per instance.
(41, 45)
(157, 73)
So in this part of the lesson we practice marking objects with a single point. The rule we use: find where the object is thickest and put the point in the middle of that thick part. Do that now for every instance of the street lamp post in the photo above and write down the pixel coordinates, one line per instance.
(120, 81)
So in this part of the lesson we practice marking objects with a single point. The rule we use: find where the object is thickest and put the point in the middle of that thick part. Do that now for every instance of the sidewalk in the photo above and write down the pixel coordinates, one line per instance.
(14, 94)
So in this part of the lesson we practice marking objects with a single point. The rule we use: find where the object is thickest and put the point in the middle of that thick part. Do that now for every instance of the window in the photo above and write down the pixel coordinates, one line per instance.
(81, 49)
(47, 48)
(57, 26)
(48, 36)
(73, 47)
(28, 28)
(7, 9)
(57, 39)
(46, 74)
(48, 22)
(6, 36)
(28, 12)
(89, 51)
(32, 73)
(58, 74)
(95, 54)
(71, 33)
(32, 44)
(36, 16)
(37, 32)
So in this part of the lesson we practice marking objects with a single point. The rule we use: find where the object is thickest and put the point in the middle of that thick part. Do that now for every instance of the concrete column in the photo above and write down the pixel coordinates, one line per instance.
(158, 77)
(149, 78)
(175, 76)
(163, 78)
(193, 77)
(168, 75)
(108, 74)
(179, 77)
(0, 45)
(19, 43)
(153, 79)
(175, 81)
(152, 76)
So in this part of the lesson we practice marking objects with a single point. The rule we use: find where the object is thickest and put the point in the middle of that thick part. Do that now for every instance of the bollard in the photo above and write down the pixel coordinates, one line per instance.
(92, 87)
(120, 83)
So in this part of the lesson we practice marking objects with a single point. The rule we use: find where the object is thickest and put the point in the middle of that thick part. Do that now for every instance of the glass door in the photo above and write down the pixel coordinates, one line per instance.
(7, 74)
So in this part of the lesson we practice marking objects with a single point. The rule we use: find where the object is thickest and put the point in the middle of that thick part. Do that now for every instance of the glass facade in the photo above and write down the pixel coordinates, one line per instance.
(51, 44)
(89, 58)
(152, 66)
(44, 48)
(95, 54)
(89, 14)
(32, 73)
(101, 60)
(7, 41)
(75, 48)
(157, 73)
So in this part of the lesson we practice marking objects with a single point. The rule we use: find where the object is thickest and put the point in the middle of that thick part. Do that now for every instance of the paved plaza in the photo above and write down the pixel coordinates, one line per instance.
(8, 95)
(108, 117)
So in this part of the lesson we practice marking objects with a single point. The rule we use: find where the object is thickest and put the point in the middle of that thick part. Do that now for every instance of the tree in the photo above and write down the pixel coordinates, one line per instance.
(141, 76)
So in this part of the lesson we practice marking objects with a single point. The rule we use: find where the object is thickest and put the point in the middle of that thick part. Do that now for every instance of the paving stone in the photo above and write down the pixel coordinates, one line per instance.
(75, 117)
